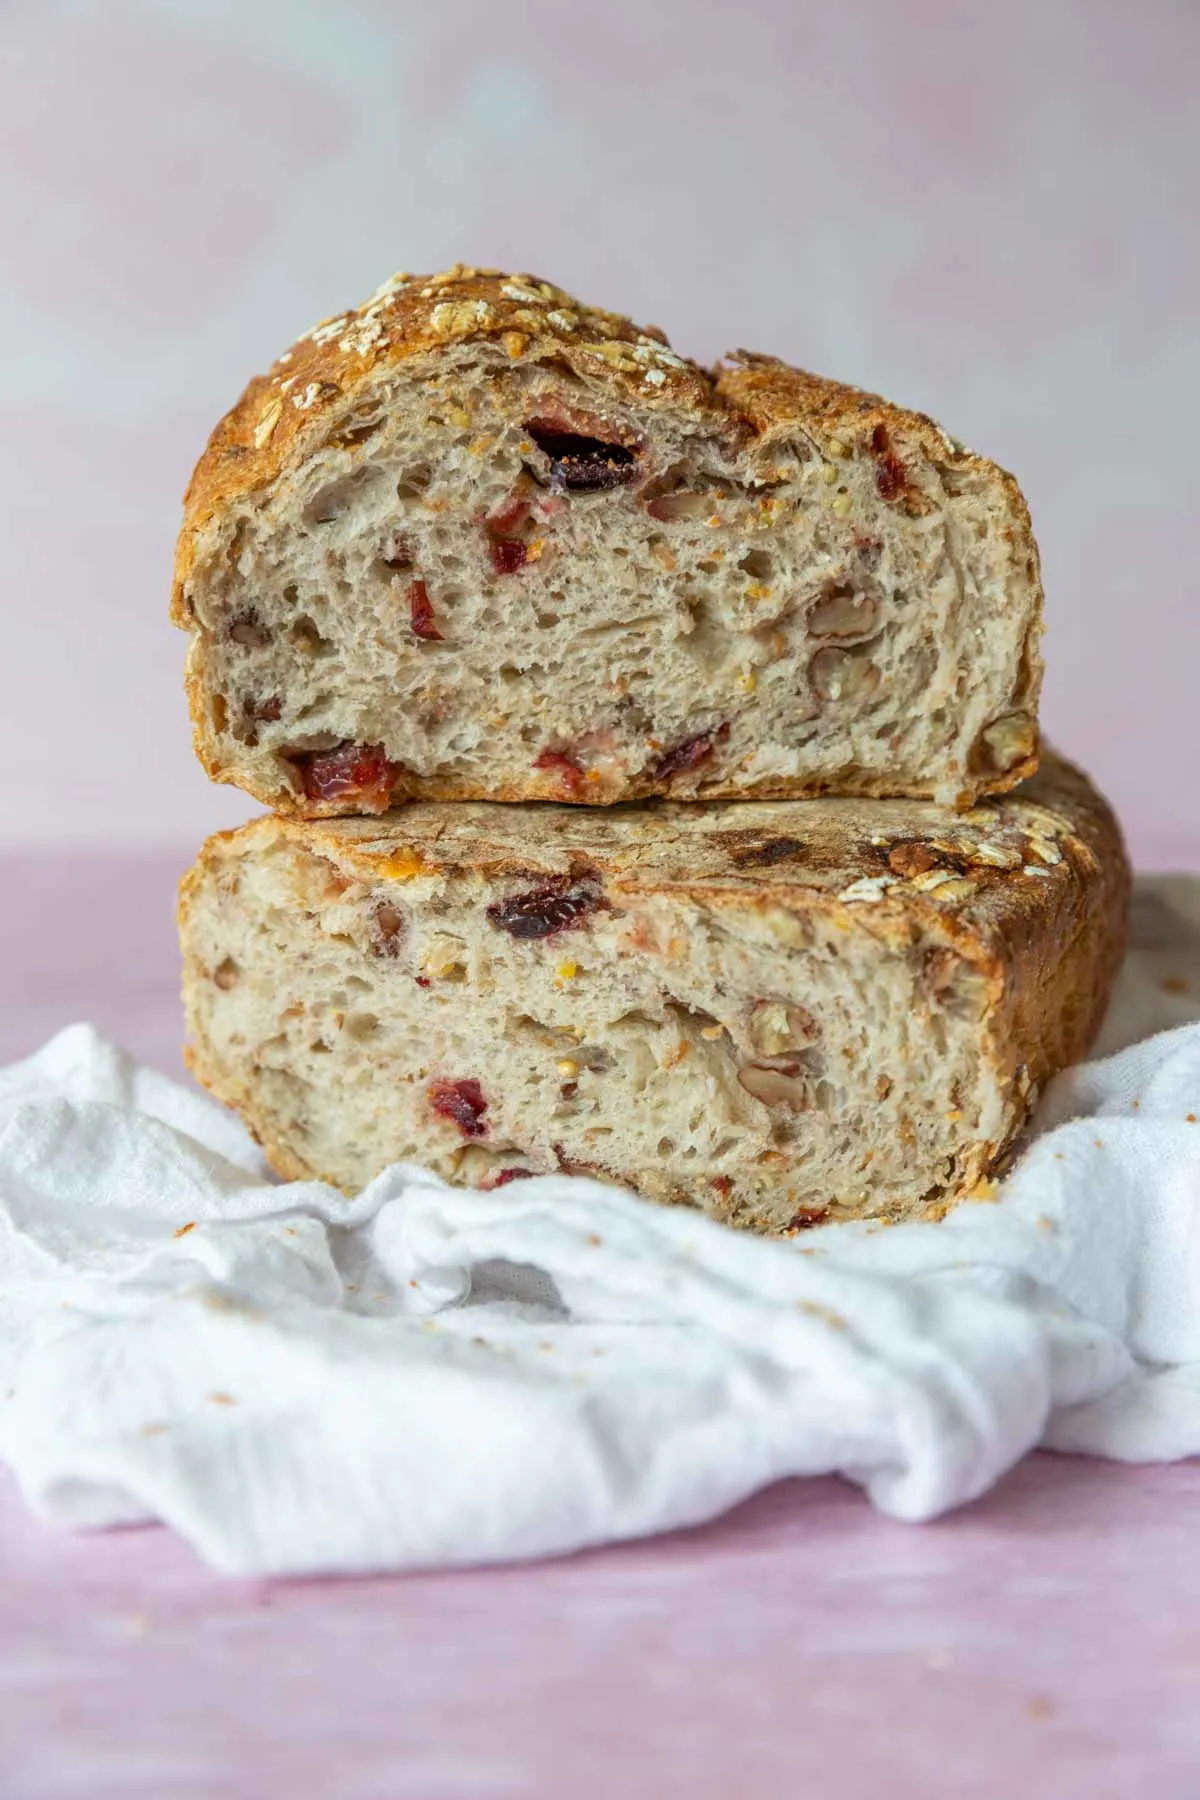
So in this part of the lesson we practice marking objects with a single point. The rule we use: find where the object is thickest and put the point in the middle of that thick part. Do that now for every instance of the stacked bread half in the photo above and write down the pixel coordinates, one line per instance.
(652, 757)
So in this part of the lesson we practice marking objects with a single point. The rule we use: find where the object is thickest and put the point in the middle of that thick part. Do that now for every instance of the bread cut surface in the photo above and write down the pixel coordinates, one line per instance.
(777, 1012)
(475, 540)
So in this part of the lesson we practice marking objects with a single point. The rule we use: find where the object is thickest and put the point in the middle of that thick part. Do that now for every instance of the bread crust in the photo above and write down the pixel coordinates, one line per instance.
(1031, 890)
(749, 404)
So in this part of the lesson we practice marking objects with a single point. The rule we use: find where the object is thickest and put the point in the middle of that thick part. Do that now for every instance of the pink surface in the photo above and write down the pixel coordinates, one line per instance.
(1045, 1642)
(987, 211)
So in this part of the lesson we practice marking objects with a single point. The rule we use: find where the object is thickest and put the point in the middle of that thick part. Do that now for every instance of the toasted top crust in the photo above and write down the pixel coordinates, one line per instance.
(1008, 882)
(751, 403)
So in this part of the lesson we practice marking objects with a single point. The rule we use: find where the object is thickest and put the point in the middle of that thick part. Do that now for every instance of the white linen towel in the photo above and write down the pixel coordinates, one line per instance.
(430, 1376)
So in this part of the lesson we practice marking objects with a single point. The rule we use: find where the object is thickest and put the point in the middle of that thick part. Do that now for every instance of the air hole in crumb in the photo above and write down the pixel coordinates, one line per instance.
(361, 1025)
(218, 712)
(414, 482)
(226, 973)
(308, 639)
(356, 434)
(332, 501)
(665, 1147)
(757, 564)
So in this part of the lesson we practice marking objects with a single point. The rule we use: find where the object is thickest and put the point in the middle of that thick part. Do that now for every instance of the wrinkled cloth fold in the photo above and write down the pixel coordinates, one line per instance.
(426, 1376)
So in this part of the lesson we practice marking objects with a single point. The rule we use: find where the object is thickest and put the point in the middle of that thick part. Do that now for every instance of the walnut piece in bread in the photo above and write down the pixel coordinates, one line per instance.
(778, 1012)
(475, 540)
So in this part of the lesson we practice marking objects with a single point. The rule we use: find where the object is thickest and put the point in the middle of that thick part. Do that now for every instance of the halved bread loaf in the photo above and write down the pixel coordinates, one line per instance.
(478, 541)
(777, 1012)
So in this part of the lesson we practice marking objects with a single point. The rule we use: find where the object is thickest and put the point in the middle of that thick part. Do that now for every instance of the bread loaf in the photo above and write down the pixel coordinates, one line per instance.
(777, 1012)
(475, 540)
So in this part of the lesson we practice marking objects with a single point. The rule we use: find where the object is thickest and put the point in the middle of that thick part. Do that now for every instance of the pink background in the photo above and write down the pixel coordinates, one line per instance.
(987, 211)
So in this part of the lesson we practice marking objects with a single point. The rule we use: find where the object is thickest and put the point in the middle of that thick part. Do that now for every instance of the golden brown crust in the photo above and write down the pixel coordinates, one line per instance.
(752, 402)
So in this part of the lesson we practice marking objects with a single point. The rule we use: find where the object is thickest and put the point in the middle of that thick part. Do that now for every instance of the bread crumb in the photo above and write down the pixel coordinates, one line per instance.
(815, 1310)
(184, 1229)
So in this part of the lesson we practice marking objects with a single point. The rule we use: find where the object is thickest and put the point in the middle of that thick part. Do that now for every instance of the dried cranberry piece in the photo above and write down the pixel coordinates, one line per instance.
(361, 770)
(463, 1103)
(389, 929)
(689, 755)
(891, 477)
(509, 517)
(508, 555)
(804, 1221)
(502, 1177)
(569, 772)
(582, 465)
(543, 912)
(420, 611)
